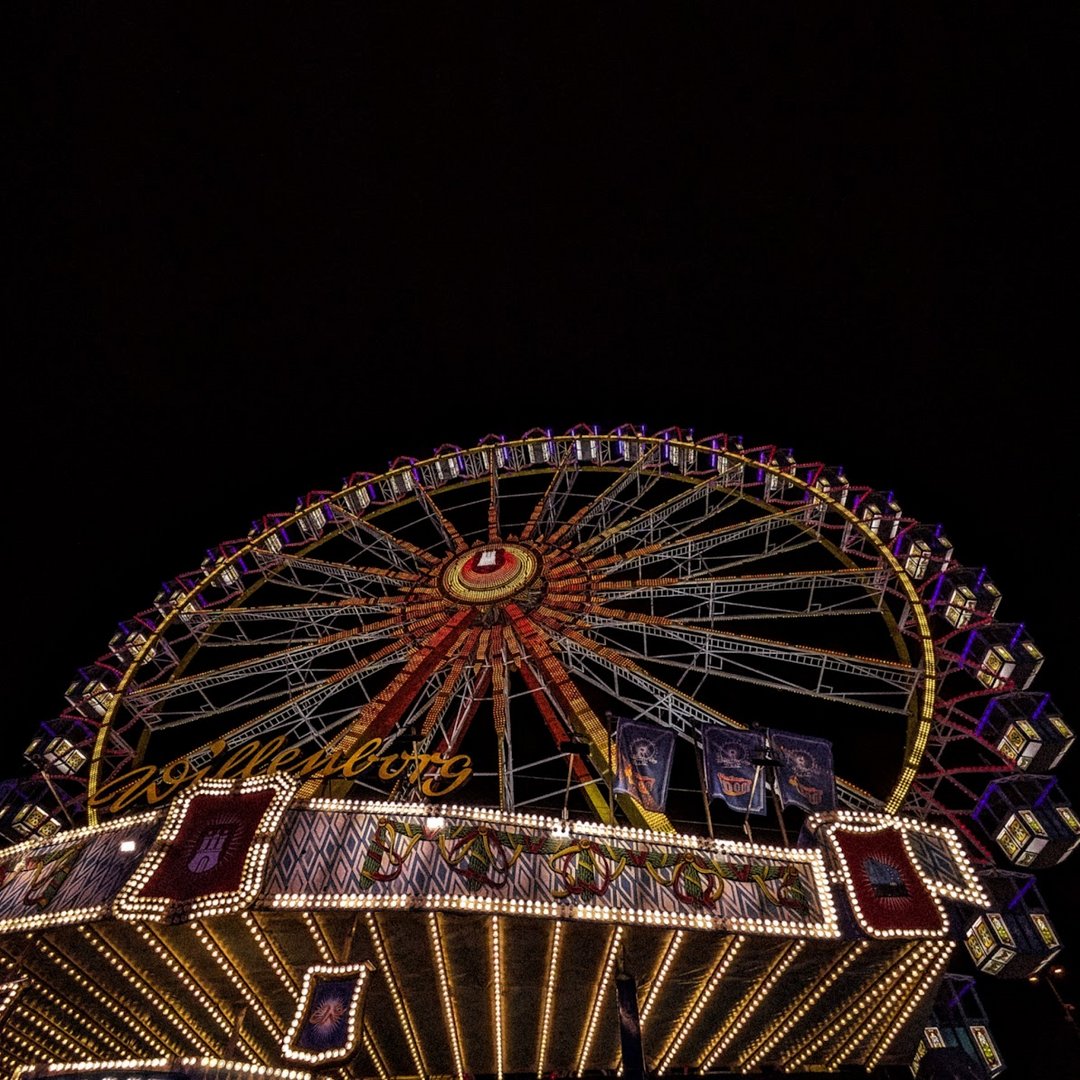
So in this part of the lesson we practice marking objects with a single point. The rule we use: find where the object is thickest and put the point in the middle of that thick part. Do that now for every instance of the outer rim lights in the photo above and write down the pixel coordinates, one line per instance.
(257, 1072)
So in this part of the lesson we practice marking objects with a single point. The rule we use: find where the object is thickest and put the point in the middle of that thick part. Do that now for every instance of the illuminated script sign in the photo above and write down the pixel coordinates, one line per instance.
(433, 774)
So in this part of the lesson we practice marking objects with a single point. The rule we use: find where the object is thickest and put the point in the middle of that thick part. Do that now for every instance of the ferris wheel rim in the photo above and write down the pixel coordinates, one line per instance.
(919, 725)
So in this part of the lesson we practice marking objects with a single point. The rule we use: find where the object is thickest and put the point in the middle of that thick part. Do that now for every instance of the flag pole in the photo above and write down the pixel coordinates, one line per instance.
(769, 762)
(705, 791)
(750, 802)
(611, 769)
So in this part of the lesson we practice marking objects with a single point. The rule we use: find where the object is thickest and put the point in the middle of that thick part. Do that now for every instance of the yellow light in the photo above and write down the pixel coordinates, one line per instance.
(599, 997)
(386, 967)
(444, 989)
(549, 997)
(496, 993)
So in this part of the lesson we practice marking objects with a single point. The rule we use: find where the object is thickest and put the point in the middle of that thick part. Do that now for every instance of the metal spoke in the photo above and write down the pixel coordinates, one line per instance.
(284, 566)
(648, 526)
(545, 514)
(828, 674)
(307, 619)
(727, 597)
(286, 662)
(605, 508)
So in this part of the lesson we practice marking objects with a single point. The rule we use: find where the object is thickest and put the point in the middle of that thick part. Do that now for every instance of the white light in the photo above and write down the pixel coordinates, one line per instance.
(127, 845)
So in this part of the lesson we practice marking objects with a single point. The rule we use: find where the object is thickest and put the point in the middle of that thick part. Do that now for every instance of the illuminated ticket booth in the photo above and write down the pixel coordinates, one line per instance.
(243, 931)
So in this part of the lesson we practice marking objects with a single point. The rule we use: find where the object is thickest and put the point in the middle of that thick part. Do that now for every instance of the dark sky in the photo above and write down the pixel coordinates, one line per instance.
(255, 253)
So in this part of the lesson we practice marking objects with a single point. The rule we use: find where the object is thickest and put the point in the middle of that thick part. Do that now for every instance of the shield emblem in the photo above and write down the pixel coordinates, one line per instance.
(209, 848)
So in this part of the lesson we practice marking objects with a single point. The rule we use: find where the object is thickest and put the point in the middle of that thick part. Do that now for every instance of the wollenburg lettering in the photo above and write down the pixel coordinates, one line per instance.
(434, 774)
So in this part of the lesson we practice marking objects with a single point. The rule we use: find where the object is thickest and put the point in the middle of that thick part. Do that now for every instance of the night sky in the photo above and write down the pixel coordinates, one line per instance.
(256, 252)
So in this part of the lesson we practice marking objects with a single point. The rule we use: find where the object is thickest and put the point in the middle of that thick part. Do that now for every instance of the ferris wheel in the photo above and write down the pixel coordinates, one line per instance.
(455, 644)
(487, 616)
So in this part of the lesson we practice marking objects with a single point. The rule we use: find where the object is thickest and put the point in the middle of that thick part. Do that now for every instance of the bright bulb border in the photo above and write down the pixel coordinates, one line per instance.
(362, 971)
(129, 903)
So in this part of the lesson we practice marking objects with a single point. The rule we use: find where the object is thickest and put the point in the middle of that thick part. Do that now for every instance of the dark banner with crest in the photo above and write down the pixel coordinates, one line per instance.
(804, 775)
(643, 755)
(730, 769)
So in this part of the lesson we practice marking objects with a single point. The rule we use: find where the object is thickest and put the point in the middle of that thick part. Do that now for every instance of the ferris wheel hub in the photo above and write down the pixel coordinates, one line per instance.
(490, 573)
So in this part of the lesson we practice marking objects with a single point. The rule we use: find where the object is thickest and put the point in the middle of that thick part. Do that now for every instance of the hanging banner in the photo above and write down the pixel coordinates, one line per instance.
(633, 1056)
(643, 754)
(730, 770)
(211, 853)
(804, 776)
(891, 894)
(328, 1023)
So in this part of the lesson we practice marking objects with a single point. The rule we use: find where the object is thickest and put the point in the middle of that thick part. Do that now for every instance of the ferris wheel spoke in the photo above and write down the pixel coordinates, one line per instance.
(396, 552)
(645, 694)
(355, 580)
(698, 549)
(494, 650)
(291, 661)
(652, 525)
(678, 545)
(722, 597)
(305, 712)
(560, 729)
(545, 514)
(493, 501)
(548, 678)
(470, 695)
(435, 687)
(606, 508)
(832, 675)
(213, 626)
(460, 677)
(382, 713)
(454, 541)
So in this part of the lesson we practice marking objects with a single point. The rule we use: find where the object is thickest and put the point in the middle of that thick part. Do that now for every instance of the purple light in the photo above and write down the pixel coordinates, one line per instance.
(985, 716)
(983, 801)
(979, 579)
(937, 591)
(965, 988)
(1016, 636)
(1045, 793)
(1039, 708)
(1020, 895)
